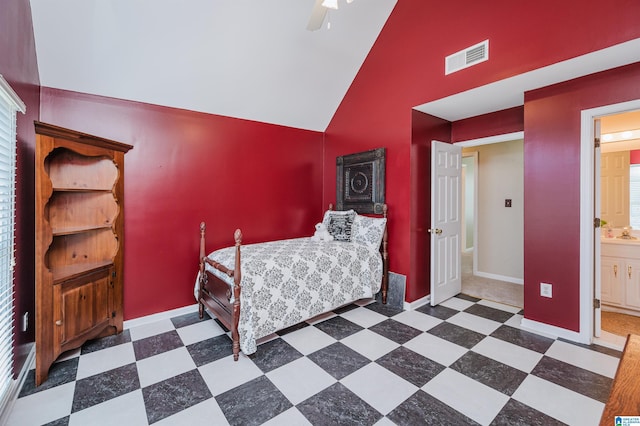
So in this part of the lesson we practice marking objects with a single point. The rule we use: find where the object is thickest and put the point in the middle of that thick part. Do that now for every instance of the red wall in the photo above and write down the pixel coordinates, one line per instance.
(552, 181)
(405, 68)
(19, 67)
(188, 167)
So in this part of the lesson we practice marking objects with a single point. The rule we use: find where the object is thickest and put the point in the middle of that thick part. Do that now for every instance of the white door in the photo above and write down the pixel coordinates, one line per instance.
(597, 287)
(446, 171)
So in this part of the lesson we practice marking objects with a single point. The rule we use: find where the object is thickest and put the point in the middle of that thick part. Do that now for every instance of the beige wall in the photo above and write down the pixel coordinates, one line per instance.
(500, 229)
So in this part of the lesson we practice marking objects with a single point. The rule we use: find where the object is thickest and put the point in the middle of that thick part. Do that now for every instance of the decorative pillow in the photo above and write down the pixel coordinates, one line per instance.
(368, 230)
(339, 223)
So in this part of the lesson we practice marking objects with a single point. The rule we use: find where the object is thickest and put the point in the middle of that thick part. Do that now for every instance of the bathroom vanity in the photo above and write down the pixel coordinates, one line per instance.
(620, 269)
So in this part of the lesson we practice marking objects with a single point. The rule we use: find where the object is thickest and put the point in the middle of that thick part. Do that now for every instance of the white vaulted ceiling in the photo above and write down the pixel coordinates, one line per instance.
(250, 59)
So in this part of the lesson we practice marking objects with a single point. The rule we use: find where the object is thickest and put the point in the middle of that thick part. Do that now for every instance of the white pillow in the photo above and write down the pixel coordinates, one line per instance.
(368, 230)
(339, 224)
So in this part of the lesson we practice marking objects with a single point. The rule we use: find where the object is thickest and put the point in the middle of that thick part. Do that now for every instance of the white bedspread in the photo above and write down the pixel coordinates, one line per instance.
(286, 282)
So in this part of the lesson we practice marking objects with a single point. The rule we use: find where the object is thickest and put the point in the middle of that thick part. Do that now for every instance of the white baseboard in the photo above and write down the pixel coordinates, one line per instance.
(512, 280)
(6, 406)
(410, 306)
(148, 319)
(552, 331)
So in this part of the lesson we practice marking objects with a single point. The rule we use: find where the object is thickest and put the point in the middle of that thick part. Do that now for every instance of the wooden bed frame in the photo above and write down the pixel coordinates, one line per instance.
(224, 303)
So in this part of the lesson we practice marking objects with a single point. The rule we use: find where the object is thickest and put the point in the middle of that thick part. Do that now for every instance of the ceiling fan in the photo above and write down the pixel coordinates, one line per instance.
(319, 12)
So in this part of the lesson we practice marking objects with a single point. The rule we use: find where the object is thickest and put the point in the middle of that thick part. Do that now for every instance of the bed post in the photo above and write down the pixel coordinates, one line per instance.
(237, 236)
(385, 258)
(202, 273)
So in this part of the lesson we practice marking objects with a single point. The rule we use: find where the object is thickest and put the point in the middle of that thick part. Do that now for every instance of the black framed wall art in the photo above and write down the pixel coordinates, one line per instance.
(360, 181)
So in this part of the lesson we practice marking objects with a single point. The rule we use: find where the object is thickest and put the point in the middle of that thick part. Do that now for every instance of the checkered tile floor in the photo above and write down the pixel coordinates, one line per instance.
(464, 362)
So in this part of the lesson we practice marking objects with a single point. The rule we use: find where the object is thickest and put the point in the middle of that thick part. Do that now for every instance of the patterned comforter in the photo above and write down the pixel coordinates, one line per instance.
(286, 282)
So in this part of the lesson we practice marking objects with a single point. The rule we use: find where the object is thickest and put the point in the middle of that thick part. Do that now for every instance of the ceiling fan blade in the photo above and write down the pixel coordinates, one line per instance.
(317, 16)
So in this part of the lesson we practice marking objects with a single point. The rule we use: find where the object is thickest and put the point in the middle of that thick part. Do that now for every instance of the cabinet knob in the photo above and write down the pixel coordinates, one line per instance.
(59, 322)
(629, 271)
(615, 271)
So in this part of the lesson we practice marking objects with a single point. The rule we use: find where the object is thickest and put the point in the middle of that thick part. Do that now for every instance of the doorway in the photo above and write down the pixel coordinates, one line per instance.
(590, 246)
(619, 172)
(492, 219)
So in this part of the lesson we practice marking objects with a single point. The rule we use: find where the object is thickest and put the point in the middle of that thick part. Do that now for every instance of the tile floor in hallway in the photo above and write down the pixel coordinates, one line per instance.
(463, 362)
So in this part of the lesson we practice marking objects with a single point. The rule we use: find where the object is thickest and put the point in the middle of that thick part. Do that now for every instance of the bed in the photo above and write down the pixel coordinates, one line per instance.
(258, 289)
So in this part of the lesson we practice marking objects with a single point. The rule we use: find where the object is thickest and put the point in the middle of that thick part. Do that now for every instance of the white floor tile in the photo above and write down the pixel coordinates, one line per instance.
(417, 320)
(501, 306)
(308, 340)
(164, 366)
(384, 422)
(225, 374)
(199, 331)
(370, 344)
(473, 322)
(561, 403)
(435, 348)
(300, 379)
(43, 407)
(363, 317)
(148, 330)
(379, 387)
(507, 353)
(610, 340)
(597, 362)
(207, 413)
(105, 360)
(291, 417)
(457, 304)
(127, 409)
(473, 399)
(515, 321)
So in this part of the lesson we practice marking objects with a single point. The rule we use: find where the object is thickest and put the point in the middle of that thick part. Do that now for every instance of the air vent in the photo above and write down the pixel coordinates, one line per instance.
(467, 57)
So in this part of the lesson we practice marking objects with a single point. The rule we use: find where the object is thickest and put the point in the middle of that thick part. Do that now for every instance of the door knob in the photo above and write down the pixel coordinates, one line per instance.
(436, 230)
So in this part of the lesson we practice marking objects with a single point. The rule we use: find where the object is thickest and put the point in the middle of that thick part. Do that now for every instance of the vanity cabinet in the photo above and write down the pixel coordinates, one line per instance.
(79, 240)
(620, 276)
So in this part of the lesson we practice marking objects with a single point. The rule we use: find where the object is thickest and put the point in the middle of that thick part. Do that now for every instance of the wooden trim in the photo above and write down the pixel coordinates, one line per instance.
(75, 136)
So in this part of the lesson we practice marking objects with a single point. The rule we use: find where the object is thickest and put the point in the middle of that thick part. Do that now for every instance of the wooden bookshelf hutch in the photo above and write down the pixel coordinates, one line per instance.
(79, 240)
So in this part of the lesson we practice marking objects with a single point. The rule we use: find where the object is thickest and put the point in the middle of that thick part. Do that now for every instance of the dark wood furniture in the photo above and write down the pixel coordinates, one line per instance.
(220, 300)
(624, 399)
(79, 240)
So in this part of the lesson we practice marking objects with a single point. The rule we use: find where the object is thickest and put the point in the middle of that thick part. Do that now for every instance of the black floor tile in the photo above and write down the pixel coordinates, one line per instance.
(64, 421)
(489, 313)
(410, 365)
(441, 312)
(210, 350)
(292, 328)
(189, 319)
(515, 413)
(60, 373)
(337, 405)
(395, 331)
(575, 378)
(386, 310)
(423, 409)
(105, 386)
(467, 297)
(338, 360)
(490, 372)
(253, 403)
(523, 338)
(154, 345)
(338, 327)
(273, 354)
(106, 342)
(173, 395)
(456, 334)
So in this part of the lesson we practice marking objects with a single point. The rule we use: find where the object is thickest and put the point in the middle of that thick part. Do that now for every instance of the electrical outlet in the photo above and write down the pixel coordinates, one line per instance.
(507, 202)
(25, 321)
(545, 290)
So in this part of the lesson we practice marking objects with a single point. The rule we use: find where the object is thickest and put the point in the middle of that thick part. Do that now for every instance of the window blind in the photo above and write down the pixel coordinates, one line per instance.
(10, 103)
